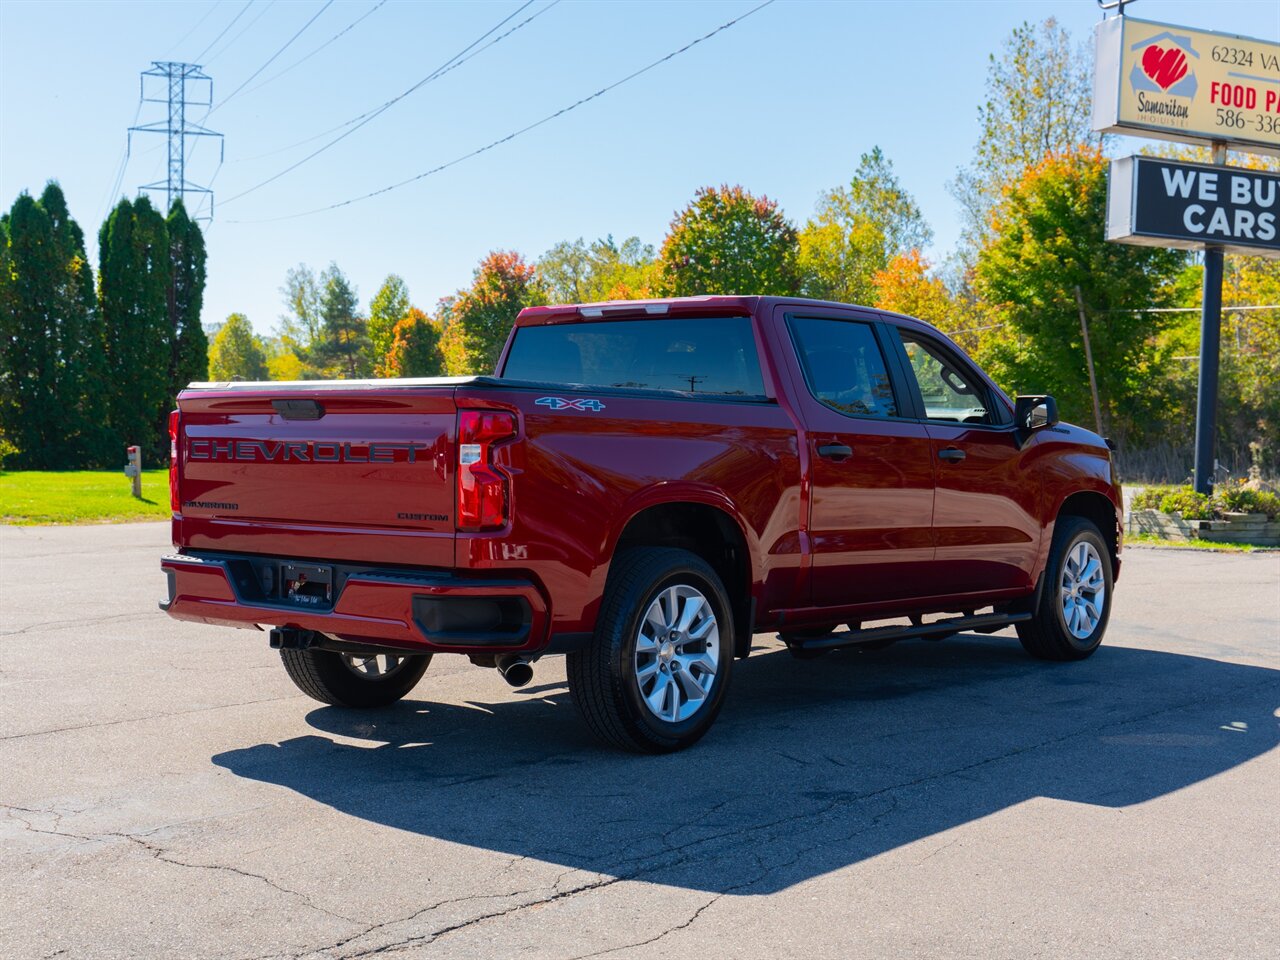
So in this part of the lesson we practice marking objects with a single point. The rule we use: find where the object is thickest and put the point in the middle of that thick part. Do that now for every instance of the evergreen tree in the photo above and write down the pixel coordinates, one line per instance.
(29, 414)
(389, 306)
(236, 352)
(343, 350)
(133, 293)
(82, 368)
(188, 346)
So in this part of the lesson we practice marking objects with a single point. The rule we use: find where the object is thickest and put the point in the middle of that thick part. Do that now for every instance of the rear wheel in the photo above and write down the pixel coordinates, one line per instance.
(1075, 602)
(354, 680)
(656, 673)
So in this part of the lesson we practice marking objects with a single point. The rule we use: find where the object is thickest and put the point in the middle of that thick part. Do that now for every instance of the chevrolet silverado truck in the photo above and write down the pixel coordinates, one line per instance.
(642, 486)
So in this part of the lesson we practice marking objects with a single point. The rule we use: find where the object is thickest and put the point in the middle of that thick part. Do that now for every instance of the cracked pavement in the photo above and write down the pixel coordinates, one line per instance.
(166, 792)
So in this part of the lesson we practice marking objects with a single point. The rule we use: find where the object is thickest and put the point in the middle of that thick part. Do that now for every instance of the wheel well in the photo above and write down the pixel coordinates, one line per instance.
(1100, 511)
(715, 537)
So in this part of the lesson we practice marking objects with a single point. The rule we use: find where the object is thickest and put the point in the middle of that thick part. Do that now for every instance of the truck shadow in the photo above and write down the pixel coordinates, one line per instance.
(812, 766)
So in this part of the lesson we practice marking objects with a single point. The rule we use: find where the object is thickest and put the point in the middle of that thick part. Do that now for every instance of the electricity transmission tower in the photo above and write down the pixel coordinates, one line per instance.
(182, 80)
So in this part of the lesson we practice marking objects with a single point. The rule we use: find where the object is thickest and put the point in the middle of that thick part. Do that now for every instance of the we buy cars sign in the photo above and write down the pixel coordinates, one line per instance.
(1192, 86)
(1163, 203)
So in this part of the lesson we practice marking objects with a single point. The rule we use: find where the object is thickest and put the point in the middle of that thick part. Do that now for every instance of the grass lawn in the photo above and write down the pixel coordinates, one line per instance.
(81, 496)
(1151, 540)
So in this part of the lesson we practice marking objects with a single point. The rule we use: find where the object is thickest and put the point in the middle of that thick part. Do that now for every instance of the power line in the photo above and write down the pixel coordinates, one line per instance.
(340, 33)
(436, 76)
(382, 109)
(124, 162)
(1265, 306)
(218, 169)
(231, 96)
(199, 56)
(243, 30)
(233, 93)
(511, 136)
(212, 7)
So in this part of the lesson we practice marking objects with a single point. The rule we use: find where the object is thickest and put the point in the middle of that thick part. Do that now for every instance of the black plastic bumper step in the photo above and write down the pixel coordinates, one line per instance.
(984, 623)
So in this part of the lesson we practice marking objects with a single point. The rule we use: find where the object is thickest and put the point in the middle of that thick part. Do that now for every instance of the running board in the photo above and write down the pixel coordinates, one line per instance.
(986, 623)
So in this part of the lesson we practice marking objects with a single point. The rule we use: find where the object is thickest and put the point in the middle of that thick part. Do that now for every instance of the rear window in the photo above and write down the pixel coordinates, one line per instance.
(710, 355)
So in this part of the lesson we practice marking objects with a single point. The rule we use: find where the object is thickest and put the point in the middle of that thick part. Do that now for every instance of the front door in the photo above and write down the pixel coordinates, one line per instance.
(985, 519)
(871, 468)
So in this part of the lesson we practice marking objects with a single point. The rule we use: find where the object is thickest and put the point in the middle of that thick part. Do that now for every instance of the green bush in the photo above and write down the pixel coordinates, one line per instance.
(1228, 498)
(1192, 505)
(1237, 498)
(1148, 498)
(7, 449)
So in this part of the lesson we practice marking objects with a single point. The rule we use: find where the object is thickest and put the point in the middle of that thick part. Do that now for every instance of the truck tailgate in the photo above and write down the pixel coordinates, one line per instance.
(337, 473)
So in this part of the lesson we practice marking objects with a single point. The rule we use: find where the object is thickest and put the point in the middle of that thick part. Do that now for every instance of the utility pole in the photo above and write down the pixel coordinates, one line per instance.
(183, 85)
(1088, 359)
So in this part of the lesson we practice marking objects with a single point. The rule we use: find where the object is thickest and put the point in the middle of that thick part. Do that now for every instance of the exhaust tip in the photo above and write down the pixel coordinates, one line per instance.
(517, 671)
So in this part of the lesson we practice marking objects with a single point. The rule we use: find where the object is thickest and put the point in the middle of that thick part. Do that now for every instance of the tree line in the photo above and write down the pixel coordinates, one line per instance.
(1030, 275)
(88, 367)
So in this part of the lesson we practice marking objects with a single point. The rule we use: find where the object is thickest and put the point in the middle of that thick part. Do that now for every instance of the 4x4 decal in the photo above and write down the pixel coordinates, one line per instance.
(560, 403)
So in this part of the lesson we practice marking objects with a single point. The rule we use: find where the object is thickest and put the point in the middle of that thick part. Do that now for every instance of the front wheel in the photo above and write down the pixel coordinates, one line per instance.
(354, 680)
(656, 673)
(1075, 602)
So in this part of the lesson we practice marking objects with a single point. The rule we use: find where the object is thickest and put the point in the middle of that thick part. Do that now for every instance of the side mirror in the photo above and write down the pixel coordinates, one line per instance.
(1035, 412)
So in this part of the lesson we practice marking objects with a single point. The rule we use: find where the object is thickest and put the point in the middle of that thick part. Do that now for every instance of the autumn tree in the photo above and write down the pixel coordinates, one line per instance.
(1047, 239)
(236, 352)
(1038, 101)
(133, 296)
(415, 348)
(388, 307)
(480, 317)
(908, 285)
(857, 230)
(342, 350)
(727, 241)
(575, 272)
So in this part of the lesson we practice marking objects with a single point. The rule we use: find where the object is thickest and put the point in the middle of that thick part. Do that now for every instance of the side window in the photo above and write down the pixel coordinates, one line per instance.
(945, 386)
(844, 366)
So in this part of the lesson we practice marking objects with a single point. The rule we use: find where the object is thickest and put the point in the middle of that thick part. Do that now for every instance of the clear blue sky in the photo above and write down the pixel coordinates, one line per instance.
(782, 103)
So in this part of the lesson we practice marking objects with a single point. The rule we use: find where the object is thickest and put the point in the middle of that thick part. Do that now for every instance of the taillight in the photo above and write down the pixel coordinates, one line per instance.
(482, 488)
(173, 460)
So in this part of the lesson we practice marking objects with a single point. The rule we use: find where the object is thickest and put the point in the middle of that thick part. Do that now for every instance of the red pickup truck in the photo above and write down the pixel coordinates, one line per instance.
(642, 486)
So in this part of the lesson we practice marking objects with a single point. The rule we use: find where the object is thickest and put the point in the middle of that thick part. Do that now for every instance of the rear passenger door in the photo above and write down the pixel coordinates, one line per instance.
(985, 529)
(870, 466)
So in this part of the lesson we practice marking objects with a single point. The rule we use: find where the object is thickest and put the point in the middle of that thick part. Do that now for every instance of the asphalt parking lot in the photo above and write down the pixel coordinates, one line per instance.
(166, 792)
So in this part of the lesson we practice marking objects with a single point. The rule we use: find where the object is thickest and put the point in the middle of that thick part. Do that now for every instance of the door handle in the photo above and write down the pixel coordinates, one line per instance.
(835, 451)
(952, 454)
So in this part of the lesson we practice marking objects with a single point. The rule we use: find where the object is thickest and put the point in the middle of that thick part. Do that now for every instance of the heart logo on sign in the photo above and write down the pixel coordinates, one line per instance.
(1164, 67)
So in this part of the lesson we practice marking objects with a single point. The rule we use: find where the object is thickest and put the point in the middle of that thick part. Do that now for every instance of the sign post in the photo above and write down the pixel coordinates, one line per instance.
(133, 469)
(1207, 383)
(1200, 87)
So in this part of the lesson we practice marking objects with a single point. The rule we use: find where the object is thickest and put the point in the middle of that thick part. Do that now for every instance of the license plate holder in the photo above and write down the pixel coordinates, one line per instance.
(306, 584)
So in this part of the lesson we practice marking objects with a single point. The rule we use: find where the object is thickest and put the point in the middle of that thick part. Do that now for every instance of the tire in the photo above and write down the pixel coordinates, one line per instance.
(1054, 631)
(637, 695)
(338, 678)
